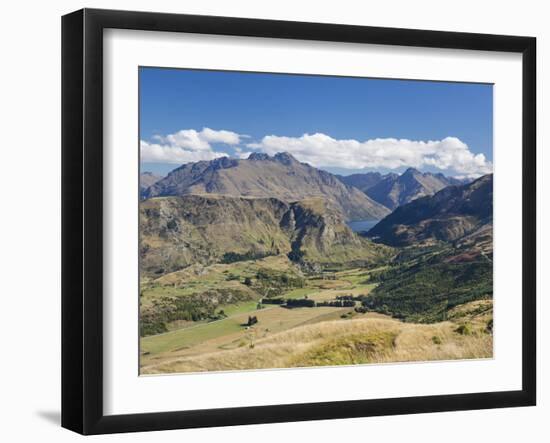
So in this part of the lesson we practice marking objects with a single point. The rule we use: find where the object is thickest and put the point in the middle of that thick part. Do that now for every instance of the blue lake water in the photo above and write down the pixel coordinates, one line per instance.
(362, 225)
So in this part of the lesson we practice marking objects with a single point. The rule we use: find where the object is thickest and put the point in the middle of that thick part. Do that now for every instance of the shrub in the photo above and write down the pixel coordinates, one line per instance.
(436, 340)
(464, 329)
(151, 327)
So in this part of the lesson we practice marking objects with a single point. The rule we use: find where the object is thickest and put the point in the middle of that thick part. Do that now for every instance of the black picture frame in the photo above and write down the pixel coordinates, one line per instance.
(82, 215)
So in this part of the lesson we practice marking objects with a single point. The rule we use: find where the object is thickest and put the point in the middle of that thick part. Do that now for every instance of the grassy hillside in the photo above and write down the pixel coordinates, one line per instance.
(208, 293)
(201, 294)
(368, 338)
(176, 232)
(422, 285)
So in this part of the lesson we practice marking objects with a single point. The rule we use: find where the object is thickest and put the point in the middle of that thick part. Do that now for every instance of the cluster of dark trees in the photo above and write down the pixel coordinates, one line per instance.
(273, 301)
(300, 303)
(350, 297)
(345, 297)
(272, 283)
(232, 257)
(342, 301)
(338, 303)
(424, 292)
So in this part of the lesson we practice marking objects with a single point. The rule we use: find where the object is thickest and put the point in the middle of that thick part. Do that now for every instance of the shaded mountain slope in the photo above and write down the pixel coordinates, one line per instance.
(450, 214)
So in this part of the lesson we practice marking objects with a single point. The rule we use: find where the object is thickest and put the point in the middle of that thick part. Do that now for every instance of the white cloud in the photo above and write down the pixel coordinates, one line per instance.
(156, 153)
(187, 145)
(320, 150)
(227, 137)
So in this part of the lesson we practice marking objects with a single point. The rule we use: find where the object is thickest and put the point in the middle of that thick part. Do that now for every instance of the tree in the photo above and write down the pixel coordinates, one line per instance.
(248, 281)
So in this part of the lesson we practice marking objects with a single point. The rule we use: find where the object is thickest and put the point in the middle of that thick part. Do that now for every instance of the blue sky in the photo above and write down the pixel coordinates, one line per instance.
(340, 124)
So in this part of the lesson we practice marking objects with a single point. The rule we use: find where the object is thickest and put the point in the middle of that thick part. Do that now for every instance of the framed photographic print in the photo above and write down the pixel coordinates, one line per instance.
(269, 221)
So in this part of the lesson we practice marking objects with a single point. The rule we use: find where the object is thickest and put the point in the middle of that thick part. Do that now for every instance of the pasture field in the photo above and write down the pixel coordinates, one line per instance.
(231, 332)
(198, 337)
(300, 336)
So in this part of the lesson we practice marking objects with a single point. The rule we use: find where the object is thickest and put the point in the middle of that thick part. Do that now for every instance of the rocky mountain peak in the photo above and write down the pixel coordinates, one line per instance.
(224, 163)
(285, 158)
(410, 172)
(258, 156)
(393, 190)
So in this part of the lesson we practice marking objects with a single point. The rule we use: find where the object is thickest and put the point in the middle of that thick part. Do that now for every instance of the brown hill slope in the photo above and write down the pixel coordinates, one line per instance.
(450, 214)
(280, 176)
(180, 231)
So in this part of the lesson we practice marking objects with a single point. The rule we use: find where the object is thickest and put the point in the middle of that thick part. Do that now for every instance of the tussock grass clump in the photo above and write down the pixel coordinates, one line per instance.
(464, 329)
(349, 350)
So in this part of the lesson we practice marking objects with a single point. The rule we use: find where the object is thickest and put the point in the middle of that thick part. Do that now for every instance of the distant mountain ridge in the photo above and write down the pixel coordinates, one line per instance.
(450, 214)
(393, 190)
(365, 181)
(280, 176)
(147, 179)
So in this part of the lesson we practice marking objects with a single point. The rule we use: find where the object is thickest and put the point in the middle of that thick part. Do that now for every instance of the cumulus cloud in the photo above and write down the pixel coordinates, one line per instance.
(320, 150)
(187, 145)
(162, 153)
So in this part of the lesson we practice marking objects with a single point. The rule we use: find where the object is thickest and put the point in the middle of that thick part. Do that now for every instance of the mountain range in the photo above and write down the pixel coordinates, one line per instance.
(365, 181)
(455, 212)
(147, 179)
(393, 190)
(280, 176)
(179, 231)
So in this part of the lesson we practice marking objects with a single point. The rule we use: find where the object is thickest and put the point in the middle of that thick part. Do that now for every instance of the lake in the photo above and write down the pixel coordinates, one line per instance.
(362, 225)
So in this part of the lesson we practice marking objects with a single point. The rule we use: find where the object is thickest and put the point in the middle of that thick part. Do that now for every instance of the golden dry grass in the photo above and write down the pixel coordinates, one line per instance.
(367, 339)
